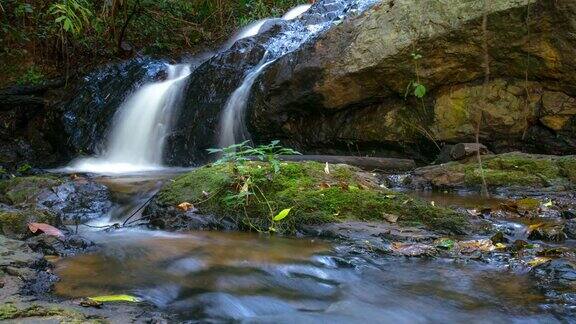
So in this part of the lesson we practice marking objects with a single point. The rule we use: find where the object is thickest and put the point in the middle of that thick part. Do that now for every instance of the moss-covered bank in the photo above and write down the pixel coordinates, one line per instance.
(10, 311)
(503, 170)
(19, 190)
(315, 196)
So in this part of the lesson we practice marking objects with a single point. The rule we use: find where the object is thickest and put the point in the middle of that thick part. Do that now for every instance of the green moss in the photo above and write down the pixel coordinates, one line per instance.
(316, 197)
(568, 167)
(520, 169)
(20, 190)
(15, 223)
(9, 311)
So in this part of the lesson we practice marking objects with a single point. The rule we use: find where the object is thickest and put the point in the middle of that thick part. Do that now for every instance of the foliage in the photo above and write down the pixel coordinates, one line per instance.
(238, 155)
(242, 152)
(32, 76)
(72, 16)
(84, 32)
(24, 168)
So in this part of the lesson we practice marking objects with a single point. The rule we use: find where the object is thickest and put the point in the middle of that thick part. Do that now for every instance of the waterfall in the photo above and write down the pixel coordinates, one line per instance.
(140, 126)
(302, 23)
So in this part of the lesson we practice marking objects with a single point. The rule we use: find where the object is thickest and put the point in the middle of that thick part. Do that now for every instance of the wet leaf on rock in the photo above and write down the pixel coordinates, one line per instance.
(115, 298)
(538, 261)
(413, 249)
(444, 243)
(484, 245)
(45, 228)
(185, 206)
(87, 302)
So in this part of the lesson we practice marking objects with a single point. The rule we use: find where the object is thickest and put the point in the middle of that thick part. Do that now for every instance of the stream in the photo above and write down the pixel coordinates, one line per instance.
(229, 276)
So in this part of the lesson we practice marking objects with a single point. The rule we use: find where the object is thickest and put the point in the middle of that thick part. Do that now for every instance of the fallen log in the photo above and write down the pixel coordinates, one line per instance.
(366, 163)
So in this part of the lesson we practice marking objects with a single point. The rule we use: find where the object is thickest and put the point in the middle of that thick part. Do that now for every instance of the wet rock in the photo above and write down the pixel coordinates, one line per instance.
(16, 254)
(68, 245)
(570, 228)
(465, 150)
(72, 201)
(557, 273)
(547, 232)
(498, 238)
(568, 214)
(174, 219)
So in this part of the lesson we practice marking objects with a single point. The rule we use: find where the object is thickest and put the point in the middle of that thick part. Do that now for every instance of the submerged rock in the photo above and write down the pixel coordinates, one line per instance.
(252, 194)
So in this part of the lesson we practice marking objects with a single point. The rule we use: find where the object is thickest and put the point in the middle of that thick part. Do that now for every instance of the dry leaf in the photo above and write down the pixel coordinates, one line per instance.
(476, 245)
(413, 249)
(45, 228)
(185, 206)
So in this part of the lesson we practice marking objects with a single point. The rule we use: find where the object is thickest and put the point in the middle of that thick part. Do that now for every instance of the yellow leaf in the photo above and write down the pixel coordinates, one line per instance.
(538, 261)
(115, 298)
(281, 215)
(500, 246)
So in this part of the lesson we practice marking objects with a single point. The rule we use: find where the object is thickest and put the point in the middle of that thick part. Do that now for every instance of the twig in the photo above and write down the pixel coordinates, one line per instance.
(139, 209)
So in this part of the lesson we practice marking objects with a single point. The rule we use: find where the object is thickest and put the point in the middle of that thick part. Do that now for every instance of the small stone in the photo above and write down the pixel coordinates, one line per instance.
(568, 214)
(498, 238)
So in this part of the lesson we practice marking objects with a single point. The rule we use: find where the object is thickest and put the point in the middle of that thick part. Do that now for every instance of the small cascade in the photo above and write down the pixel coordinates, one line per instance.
(139, 129)
(303, 23)
(296, 12)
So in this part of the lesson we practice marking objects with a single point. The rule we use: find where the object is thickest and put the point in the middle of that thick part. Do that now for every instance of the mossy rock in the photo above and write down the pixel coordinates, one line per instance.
(14, 223)
(504, 170)
(20, 190)
(315, 197)
(9, 311)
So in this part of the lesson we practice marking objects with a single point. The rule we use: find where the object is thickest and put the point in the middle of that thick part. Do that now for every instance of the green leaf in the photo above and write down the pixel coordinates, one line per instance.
(115, 298)
(419, 90)
(281, 215)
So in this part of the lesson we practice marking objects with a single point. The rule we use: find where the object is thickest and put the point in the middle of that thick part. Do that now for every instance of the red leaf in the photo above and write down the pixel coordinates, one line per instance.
(45, 228)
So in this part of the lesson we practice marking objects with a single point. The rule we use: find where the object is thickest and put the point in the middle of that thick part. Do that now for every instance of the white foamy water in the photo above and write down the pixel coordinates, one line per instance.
(139, 129)
(232, 119)
(296, 12)
(251, 30)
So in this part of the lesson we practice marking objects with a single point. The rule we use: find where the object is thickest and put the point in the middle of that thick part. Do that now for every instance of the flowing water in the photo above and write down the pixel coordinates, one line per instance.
(219, 276)
(305, 24)
(140, 127)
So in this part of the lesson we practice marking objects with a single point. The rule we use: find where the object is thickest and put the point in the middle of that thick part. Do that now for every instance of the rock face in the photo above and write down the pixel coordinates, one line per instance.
(89, 114)
(349, 87)
(30, 128)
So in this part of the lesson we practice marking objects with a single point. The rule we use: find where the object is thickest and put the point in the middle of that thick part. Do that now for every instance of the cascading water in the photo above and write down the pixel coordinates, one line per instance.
(140, 127)
(232, 128)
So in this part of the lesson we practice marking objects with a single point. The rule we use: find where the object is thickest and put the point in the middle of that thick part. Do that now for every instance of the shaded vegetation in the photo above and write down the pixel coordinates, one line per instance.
(345, 193)
(41, 38)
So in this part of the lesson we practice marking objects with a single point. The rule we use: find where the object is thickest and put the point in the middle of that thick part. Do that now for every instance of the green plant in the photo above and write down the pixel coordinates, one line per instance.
(418, 89)
(72, 16)
(32, 76)
(24, 168)
(242, 152)
(244, 186)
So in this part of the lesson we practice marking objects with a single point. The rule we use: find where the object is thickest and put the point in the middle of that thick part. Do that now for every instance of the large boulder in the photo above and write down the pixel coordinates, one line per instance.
(348, 89)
